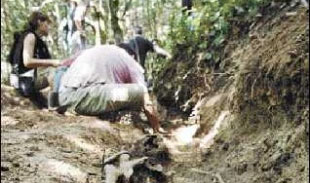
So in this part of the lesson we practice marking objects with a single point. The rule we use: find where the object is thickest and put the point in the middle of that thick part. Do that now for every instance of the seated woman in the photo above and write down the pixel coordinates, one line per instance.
(28, 53)
(103, 79)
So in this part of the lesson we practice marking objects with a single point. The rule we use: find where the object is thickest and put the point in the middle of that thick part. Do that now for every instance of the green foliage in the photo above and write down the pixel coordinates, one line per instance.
(14, 16)
(204, 31)
(209, 24)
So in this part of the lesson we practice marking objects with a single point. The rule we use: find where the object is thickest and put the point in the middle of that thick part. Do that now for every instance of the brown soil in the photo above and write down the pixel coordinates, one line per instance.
(232, 138)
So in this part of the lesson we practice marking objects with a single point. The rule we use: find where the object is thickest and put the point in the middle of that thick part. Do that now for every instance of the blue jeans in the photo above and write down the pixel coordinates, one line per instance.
(60, 71)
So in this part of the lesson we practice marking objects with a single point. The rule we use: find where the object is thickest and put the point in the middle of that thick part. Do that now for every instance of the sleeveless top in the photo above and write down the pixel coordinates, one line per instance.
(40, 52)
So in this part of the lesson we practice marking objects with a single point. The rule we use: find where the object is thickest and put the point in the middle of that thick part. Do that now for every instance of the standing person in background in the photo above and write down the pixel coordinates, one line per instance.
(28, 53)
(187, 6)
(73, 25)
(77, 43)
(78, 40)
(67, 25)
(142, 46)
(139, 46)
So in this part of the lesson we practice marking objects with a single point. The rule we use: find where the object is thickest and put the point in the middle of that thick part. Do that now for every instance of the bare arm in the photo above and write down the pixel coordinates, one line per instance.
(149, 110)
(161, 51)
(28, 51)
(78, 24)
(79, 16)
(91, 23)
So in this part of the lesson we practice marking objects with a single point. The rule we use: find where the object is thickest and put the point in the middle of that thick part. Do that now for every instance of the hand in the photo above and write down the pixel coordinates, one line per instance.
(144, 159)
(56, 63)
(169, 56)
(166, 56)
(82, 33)
(162, 131)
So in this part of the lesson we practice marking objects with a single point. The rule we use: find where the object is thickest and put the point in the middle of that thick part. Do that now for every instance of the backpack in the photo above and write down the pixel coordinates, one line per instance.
(15, 56)
(12, 53)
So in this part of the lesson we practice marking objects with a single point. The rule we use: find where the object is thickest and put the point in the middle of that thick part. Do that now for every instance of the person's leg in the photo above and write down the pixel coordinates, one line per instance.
(102, 98)
(57, 77)
(53, 96)
(38, 99)
(82, 42)
(25, 86)
(99, 99)
(27, 89)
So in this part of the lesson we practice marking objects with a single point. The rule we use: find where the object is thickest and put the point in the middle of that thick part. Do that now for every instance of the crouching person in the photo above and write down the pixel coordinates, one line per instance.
(104, 79)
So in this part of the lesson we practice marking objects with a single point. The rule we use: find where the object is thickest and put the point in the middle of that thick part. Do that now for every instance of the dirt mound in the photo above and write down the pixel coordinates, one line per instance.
(266, 138)
(274, 67)
(255, 117)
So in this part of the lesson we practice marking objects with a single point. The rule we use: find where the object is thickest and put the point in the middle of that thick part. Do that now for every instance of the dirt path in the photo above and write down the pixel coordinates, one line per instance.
(38, 146)
(41, 146)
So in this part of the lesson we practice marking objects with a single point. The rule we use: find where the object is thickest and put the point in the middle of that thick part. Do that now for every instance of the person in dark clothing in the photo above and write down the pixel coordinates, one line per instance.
(67, 25)
(29, 53)
(141, 46)
(187, 6)
(128, 49)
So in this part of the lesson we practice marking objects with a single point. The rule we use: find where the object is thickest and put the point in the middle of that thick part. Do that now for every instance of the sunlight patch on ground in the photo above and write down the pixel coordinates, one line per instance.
(183, 142)
(212, 101)
(181, 137)
(184, 135)
(7, 120)
(131, 136)
(84, 145)
(62, 170)
(208, 140)
(103, 125)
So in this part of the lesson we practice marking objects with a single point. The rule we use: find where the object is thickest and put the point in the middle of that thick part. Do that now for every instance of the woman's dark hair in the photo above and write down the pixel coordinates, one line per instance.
(34, 19)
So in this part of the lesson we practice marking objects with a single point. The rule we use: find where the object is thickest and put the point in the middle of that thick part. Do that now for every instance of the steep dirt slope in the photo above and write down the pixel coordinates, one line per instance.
(262, 113)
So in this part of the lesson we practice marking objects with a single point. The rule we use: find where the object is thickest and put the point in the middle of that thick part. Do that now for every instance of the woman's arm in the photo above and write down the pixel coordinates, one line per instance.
(29, 61)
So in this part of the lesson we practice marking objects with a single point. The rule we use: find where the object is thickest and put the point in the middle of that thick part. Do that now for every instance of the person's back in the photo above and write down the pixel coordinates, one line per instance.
(142, 46)
(103, 79)
(102, 64)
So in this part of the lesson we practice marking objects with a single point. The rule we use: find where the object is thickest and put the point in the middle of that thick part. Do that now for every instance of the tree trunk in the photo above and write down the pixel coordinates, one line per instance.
(104, 21)
(127, 7)
(97, 26)
(117, 31)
